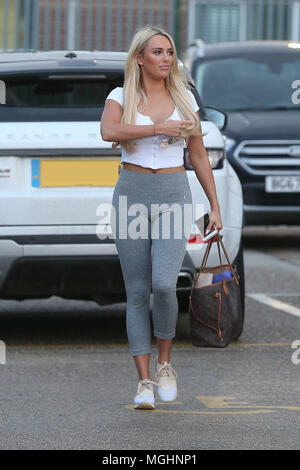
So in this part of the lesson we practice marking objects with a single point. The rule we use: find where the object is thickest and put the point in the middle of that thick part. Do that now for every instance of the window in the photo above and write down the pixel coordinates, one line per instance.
(256, 81)
(60, 90)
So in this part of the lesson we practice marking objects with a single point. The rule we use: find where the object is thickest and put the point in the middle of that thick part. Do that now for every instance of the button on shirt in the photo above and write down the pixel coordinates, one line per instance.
(147, 152)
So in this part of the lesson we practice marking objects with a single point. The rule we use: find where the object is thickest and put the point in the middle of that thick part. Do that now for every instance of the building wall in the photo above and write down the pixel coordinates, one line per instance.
(233, 20)
(110, 24)
(92, 24)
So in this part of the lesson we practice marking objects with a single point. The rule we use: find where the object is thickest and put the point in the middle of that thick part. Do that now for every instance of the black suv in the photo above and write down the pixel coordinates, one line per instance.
(257, 84)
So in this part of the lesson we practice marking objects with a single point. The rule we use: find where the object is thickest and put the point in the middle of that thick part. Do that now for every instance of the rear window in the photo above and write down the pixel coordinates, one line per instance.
(82, 90)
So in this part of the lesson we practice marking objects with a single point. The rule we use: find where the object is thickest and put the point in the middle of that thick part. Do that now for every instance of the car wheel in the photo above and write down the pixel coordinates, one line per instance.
(183, 302)
(239, 262)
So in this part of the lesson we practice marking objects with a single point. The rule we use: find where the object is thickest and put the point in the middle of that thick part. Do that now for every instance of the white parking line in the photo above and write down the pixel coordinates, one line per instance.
(282, 294)
(285, 307)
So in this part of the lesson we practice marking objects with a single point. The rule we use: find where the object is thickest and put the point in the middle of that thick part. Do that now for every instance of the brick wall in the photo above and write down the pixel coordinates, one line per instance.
(98, 40)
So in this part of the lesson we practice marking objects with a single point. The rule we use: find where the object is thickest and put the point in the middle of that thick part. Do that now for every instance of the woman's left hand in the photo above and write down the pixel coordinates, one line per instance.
(214, 219)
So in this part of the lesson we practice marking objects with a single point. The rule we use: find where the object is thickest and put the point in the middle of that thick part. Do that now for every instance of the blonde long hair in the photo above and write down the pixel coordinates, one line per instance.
(176, 85)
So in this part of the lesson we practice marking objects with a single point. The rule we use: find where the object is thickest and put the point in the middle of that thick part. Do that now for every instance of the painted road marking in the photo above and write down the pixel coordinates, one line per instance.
(221, 405)
(195, 412)
(227, 403)
(280, 294)
(277, 304)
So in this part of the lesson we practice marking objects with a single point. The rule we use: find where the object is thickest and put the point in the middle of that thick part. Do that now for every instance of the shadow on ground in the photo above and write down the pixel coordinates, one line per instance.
(271, 236)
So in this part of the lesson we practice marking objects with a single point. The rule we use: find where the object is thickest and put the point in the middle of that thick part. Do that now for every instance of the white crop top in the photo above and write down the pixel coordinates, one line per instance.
(148, 152)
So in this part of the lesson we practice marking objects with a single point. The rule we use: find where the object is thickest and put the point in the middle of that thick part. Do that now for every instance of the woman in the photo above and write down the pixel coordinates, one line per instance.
(150, 117)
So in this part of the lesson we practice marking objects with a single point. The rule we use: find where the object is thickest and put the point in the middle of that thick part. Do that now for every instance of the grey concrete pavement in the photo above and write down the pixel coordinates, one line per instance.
(69, 380)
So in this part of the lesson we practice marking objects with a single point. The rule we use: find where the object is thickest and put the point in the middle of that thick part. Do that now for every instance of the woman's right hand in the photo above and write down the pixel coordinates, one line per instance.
(172, 128)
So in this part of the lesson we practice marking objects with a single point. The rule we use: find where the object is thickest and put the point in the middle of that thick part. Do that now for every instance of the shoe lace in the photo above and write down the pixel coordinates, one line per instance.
(145, 383)
(166, 371)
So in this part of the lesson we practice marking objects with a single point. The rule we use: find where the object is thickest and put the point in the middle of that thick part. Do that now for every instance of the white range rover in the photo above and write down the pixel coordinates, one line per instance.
(55, 171)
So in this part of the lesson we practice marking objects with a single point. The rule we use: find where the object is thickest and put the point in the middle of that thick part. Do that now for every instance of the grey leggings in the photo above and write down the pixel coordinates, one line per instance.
(151, 250)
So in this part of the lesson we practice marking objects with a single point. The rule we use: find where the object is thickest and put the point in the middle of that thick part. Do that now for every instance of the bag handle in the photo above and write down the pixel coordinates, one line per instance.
(220, 241)
(207, 251)
(220, 258)
(204, 259)
(223, 247)
(206, 254)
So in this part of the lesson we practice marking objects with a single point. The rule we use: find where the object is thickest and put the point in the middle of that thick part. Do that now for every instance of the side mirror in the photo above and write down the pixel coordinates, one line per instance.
(216, 116)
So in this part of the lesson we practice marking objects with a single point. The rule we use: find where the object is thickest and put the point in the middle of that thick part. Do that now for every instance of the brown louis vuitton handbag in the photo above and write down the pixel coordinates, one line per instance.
(215, 310)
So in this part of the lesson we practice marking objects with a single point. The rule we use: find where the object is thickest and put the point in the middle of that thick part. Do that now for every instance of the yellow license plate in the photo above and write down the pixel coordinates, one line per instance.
(79, 172)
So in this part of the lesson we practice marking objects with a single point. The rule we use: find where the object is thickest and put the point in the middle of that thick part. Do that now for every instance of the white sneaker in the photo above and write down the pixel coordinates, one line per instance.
(166, 376)
(144, 400)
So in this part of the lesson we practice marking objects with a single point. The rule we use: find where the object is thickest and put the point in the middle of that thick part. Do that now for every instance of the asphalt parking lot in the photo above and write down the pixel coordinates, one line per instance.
(68, 381)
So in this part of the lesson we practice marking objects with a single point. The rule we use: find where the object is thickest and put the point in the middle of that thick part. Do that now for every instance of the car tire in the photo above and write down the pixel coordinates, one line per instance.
(239, 262)
(183, 302)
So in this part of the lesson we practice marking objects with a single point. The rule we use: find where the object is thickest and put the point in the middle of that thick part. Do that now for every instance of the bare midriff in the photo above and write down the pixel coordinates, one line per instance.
(131, 166)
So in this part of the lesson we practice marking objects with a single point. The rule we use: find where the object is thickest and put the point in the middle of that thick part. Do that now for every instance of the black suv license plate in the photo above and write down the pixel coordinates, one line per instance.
(282, 184)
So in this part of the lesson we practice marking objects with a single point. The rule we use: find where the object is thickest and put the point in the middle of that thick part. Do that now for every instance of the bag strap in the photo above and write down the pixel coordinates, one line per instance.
(220, 258)
(204, 259)
(207, 251)
(220, 241)
(223, 247)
